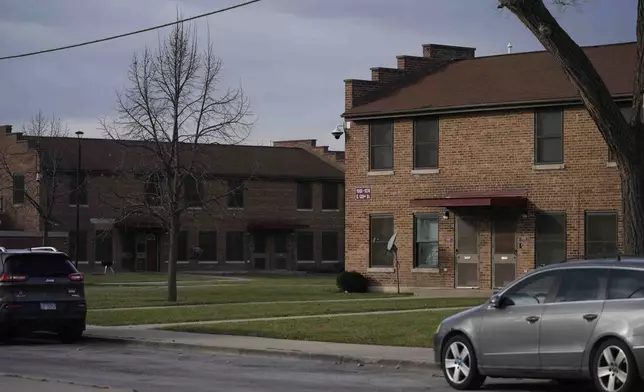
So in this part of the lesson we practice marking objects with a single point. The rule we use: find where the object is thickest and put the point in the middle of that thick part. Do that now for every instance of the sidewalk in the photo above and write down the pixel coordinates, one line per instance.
(245, 345)
(30, 384)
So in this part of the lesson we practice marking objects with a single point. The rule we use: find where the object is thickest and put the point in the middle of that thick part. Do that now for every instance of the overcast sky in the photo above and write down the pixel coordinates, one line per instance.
(290, 56)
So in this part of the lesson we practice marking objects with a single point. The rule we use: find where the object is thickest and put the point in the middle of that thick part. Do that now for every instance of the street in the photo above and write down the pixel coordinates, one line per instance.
(45, 365)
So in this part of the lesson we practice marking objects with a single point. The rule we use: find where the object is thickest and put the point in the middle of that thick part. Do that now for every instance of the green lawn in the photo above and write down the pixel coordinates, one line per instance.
(407, 329)
(238, 311)
(130, 277)
(259, 289)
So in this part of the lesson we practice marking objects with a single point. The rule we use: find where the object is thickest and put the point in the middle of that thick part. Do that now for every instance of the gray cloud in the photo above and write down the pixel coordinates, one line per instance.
(290, 55)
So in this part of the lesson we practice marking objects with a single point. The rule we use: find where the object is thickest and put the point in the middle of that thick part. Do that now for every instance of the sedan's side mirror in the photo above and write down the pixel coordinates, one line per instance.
(495, 301)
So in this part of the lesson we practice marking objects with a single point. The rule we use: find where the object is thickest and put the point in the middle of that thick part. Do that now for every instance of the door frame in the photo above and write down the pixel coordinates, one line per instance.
(259, 255)
(478, 251)
(502, 215)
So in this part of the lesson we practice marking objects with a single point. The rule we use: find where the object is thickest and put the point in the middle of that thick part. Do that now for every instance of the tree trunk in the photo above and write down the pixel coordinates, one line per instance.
(172, 259)
(632, 176)
(45, 235)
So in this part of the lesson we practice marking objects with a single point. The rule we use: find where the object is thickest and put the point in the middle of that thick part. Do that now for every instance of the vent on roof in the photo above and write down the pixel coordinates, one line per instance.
(509, 47)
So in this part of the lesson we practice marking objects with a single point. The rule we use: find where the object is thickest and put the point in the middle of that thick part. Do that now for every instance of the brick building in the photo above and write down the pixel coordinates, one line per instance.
(484, 166)
(280, 208)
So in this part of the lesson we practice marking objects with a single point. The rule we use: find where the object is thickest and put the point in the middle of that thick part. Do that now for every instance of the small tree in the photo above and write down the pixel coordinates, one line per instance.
(625, 137)
(44, 187)
(173, 109)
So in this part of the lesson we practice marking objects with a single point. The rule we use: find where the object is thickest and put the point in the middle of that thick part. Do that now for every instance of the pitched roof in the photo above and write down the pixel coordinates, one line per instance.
(222, 160)
(504, 79)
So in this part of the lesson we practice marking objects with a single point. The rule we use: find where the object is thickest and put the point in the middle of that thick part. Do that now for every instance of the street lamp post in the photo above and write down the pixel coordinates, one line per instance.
(78, 166)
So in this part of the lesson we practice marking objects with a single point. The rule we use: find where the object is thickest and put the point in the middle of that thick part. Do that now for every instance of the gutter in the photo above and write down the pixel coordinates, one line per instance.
(474, 108)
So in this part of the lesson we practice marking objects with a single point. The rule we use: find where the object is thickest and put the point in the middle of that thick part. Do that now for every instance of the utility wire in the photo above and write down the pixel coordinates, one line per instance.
(15, 56)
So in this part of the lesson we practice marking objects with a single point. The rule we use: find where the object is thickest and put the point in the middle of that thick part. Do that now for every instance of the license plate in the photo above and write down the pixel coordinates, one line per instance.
(47, 306)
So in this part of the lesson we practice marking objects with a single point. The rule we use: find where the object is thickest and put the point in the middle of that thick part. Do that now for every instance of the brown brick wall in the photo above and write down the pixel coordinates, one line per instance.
(477, 152)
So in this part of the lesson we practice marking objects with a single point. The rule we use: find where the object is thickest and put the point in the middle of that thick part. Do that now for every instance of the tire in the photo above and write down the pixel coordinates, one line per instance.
(71, 335)
(618, 368)
(460, 368)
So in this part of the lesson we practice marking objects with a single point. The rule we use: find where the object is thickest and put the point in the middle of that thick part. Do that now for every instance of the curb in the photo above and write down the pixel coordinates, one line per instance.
(337, 359)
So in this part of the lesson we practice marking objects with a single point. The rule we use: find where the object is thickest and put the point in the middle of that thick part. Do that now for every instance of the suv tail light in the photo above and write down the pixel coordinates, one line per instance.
(13, 278)
(76, 277)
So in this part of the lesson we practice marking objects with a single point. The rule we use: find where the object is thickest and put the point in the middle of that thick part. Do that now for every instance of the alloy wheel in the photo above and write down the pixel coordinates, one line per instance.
(612, 369)
(458, 362)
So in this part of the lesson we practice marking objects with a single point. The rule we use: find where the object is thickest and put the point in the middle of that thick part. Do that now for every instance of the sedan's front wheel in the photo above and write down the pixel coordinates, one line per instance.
(459, 364)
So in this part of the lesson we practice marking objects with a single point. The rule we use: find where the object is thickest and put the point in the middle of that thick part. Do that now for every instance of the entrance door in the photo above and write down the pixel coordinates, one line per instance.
(504, 250)
(467, 251)
(151, 252)
(259, 251)
(280, 251)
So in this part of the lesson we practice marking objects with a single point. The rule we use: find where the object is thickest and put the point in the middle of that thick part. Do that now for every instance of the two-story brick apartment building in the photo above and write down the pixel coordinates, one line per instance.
(289, 214)
(485, 167)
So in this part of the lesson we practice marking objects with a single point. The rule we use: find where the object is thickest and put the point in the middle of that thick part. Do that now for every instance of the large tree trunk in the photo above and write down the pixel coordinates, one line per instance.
(172, 259)
(624, 139)
(45, 235)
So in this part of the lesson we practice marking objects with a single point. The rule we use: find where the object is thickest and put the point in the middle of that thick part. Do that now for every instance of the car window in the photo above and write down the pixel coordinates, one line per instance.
(626, 284)
(584, 284)
(38, 265)
(531, 291)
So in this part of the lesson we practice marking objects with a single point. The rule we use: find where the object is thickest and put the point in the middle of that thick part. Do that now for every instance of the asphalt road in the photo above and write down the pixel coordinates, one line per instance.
(47, 365)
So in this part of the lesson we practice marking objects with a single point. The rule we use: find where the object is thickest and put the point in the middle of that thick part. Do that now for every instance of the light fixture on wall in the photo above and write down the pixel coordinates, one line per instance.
(445, 213)
(341, 129)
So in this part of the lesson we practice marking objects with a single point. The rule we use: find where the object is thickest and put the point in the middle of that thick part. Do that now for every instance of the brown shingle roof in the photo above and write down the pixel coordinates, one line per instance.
(504, 79)
(223, 160)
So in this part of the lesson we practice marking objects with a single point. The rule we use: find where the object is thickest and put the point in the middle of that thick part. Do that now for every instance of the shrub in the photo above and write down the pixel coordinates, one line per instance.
(352, 282)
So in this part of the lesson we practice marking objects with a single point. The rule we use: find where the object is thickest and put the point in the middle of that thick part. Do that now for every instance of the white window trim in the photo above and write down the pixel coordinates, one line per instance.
(306, 261)
(330, 261)
(381, 173)
(207, 262)
(236, 261)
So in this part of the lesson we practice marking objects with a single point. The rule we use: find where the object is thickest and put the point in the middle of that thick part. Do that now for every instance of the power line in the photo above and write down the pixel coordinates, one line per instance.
(15, 56)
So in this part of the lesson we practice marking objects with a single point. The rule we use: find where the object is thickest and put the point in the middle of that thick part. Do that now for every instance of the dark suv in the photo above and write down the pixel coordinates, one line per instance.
(41, 290)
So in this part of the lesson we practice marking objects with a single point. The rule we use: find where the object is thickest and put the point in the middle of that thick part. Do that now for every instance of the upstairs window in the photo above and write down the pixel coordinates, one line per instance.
(381, 146)
(548, 140)
(426, 143)
(152, 190)
(18, 189)
(79, 190)
(330, 199)
(235, 194)
(304, 196)
(626, 111)
(192, 191)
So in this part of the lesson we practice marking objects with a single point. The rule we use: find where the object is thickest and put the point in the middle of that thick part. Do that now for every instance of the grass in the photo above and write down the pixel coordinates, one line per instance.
(238, 311)
(148, 277)
(407, 329)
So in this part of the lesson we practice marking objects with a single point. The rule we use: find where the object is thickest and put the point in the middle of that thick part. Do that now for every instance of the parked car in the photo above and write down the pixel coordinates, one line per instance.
(576, 321)
(41, 290)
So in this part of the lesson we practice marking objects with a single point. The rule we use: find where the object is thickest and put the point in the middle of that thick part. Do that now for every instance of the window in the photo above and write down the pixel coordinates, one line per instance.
(548, 136)
(381, 146)
(82, 245)
(626, 284)
(38, 265)
(330, 251)
(626, 111)
(182, 246)
(18, 189)
(103, 245)
(208, 245)
(531, 291)
(79, 189)
(235, 194)
(192, 191)
(426, 143)
(235, 246)
(381, 228)
(305, 245)
(426, 242)
(550, 238)
(304, 196)
(330, 196)
(601, 234)
(582, 285)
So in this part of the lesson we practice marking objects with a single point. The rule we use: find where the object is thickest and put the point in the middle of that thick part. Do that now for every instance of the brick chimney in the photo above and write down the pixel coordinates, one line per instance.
(408, 69)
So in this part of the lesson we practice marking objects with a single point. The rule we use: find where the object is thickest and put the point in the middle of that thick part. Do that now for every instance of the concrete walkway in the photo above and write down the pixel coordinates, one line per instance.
(307, 301)
(246, 345)
(375, 313)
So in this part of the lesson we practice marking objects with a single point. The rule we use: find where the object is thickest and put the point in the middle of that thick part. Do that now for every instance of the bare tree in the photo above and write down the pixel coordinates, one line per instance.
(625, 137)
(44, 187)
(174, 108)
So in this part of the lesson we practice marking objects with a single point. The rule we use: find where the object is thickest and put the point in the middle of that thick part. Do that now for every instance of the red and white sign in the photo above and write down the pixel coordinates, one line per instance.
(363, 193)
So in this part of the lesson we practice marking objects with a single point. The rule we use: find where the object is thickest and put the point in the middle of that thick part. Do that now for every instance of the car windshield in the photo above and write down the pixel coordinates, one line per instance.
(38, 265)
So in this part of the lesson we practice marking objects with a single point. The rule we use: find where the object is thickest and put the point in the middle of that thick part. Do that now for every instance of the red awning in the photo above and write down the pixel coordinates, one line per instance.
(476, 199)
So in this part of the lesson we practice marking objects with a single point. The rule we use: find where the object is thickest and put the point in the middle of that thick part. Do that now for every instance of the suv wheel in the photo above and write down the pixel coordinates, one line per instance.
(613, 367)
(70, 335)
(459, 364)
